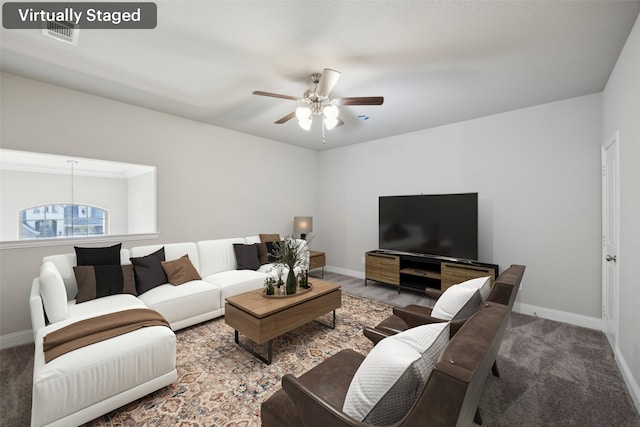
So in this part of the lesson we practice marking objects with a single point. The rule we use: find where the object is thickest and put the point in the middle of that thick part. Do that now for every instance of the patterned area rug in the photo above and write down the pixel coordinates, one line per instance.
(219, 384)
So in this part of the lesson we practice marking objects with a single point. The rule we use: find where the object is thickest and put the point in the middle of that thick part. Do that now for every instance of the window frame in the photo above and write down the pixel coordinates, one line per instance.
(51, 209)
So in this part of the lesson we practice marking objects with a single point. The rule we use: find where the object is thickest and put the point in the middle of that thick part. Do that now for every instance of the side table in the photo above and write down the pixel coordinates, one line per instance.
(317, 260)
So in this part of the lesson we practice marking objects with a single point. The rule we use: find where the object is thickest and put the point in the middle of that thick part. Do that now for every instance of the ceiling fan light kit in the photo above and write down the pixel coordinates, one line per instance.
(318, 102)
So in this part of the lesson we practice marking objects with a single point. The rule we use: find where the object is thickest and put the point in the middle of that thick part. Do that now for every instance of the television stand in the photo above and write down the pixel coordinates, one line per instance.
(418, 272)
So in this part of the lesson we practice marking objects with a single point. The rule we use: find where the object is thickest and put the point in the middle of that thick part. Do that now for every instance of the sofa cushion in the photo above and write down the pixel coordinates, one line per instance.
(246, 256)
(98, 256)
(217, 255)
(234, 282)
(148, 271)
(97, 281)
(457, 302)
(65, 263)
(101, 371)
(483, 284)
(392, 376)
(180, 270)
(194, 300)
(53, 292)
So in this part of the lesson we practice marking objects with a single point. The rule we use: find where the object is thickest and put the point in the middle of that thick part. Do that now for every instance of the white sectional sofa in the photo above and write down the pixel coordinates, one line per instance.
(93, 380)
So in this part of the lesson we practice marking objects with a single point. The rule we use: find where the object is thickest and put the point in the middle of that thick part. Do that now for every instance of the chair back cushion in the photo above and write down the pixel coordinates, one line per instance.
(392, 376)
(457, 302)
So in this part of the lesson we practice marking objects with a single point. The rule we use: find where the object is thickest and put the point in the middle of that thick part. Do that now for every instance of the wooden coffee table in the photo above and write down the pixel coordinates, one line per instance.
(263, 319)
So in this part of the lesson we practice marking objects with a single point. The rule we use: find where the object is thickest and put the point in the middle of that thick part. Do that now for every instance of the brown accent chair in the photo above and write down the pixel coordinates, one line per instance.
(503, 292)
(450, 396)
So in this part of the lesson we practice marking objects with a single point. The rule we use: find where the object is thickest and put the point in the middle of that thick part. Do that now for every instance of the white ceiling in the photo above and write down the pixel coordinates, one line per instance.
(435, 62)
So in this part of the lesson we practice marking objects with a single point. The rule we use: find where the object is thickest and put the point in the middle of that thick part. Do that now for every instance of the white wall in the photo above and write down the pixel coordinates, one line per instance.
(621, 111)
(537, 174)
(211, 182)
(141, 203)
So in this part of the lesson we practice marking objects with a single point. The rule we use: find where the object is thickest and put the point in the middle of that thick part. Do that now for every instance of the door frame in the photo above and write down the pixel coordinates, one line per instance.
(610, 307)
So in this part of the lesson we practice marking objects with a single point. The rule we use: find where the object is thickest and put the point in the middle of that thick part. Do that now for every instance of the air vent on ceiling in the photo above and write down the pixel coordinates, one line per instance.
(62, 30)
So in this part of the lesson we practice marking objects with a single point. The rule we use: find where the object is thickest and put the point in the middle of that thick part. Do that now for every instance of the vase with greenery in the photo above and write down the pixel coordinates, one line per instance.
(303, 279)
(292, 253)
(269, 288)
(279, 281)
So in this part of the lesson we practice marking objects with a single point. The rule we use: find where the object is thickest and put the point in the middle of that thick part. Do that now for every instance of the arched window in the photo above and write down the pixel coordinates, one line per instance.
(62, 220)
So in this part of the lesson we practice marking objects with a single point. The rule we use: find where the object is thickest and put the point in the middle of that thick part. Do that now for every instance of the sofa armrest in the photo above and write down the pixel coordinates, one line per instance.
(313, 410)
(416, 315)
(36, 308)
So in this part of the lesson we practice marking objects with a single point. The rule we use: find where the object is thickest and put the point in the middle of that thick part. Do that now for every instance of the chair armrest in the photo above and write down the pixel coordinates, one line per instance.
(313, 410)
(415, 315)
(374, 335)
(433, 293)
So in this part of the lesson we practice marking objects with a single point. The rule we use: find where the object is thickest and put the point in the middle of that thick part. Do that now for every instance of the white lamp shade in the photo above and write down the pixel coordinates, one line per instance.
(302, 224)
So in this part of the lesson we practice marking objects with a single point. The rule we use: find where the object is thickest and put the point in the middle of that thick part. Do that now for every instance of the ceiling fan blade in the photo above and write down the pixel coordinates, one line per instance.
(328, 80)
(277, 95)
(362, 100)
(286, 118)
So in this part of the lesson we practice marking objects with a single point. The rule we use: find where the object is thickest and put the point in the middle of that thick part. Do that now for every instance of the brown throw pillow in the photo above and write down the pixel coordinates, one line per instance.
(263, 254)
(264, 238)
(96, 281)
(180, 270)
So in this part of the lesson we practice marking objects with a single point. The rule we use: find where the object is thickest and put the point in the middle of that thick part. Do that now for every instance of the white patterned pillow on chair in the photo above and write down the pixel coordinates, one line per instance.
(483, 284)
(457, 302)
(391, 378)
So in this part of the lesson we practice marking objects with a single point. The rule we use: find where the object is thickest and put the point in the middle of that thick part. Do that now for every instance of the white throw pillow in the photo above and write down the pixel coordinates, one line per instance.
(457, 302)
(53, 292)
(483, 284)
(392, 376)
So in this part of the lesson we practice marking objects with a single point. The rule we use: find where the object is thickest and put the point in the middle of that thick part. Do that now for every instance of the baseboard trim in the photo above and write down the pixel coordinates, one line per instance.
(632, 385)
(532, 310)
(345, 271)
(16, 338)
(559, 316)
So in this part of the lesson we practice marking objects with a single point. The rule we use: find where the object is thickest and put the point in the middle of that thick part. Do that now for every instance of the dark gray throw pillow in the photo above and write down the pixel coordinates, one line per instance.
(246, 256)
(272, 251)
(148, 271)
(98, 256)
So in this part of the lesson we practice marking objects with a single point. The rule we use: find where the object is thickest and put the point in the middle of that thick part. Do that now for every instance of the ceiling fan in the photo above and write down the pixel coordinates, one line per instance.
(318, 102)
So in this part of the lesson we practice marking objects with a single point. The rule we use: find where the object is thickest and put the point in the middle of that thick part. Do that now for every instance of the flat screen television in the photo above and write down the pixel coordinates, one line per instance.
(438, 224)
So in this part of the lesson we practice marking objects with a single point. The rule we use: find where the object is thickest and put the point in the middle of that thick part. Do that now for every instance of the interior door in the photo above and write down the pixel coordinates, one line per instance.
(610, 238)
